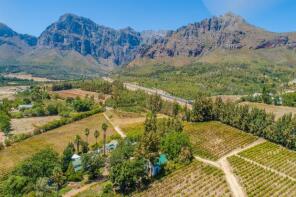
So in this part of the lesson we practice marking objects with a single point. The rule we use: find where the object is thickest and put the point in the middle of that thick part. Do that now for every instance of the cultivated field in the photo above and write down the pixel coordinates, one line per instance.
(261, 182)
(273, 156)
(278, 111)
(73, 93)
(213, 140)
(27, 77)
(27, 125)
(196, 179)
(57, 139)
(9, 91)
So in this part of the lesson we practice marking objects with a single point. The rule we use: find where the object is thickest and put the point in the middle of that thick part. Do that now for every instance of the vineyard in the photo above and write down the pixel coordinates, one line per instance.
(196, 179)
(57, 139)
(273, 156)
(259, 181)
(213, 140)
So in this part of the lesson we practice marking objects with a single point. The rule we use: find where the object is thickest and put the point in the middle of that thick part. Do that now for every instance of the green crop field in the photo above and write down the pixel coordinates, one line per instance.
(259, 181)
(213, 140)
(273, 156)
(196, 179)
(57, 139)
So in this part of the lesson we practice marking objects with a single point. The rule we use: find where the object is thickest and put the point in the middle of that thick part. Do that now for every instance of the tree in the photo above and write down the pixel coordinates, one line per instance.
(86, 133)
(202, 110)
(92, 164)
(42, 188)
(129, 175)
(15, 186)
(266, 98)
(67, 155)
(58, 177)
(176, 109)
(175, 144)
(150, 122)
(96, 135)
(77, 142)
(155, 103)
(104, 127)
(4, 123)
(84, 146)
(123, 152)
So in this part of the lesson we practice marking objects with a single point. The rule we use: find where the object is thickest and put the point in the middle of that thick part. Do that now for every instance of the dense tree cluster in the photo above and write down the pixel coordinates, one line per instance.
(39, 174)
(61, 86)
(251, 120)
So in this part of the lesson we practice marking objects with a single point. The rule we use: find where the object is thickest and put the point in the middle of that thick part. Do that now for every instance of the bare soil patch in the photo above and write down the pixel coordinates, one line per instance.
(27, 125)
(9, 91)
(73, 93)
(27, 77)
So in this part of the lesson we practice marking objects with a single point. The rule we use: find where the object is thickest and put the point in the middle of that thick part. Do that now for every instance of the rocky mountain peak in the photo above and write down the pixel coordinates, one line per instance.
(6, 31)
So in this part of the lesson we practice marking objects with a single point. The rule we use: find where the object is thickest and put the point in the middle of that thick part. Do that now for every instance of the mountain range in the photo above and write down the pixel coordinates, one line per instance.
(79, 45)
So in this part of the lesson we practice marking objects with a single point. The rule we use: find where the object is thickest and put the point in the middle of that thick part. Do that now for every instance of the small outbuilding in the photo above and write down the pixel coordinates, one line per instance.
(76, 162)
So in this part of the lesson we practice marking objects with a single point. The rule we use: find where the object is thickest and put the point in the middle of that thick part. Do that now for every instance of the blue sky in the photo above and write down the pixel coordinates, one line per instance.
(33, 16)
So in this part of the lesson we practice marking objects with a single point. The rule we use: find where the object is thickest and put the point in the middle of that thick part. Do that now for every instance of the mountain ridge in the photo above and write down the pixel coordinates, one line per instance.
(109, 47)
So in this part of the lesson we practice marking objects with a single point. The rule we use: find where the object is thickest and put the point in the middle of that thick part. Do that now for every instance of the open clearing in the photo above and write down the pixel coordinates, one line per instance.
(122, 119)
(213, 140)
(228, 98)
(196, 179)
(27, 125)
(57, 139)
(278, 111)
(73, 93)
(27, 77)
(9, 91)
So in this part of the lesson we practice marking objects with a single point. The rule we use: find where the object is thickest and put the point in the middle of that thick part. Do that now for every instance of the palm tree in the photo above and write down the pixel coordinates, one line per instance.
(104, 127)
(86, 133)
(77, 142)
(96, 135)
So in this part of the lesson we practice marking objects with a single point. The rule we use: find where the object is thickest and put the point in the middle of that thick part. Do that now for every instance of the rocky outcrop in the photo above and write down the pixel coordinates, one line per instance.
(10, 37)
(71, 32)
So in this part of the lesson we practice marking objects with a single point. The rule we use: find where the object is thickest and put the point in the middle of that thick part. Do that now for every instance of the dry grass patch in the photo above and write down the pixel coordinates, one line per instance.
(196, 179)
(9, 91)
(57, 139)
(27, 125)
(278, 111)
(213, 140)
(73, 93)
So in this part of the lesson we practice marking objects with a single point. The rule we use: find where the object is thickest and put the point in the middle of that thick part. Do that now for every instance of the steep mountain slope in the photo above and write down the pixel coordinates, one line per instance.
(108, 46)
(79, 46)
(13, 44)
(228, 32)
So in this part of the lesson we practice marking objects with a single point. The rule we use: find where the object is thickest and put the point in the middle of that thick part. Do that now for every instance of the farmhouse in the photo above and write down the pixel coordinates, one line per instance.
(22, 107)
(76, 162)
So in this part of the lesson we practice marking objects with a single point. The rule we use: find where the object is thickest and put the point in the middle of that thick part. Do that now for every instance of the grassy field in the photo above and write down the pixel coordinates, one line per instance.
(57, 139)
(122, 118)
(27, 125)
(261, 182)
(273, 156)
(212, 140)
(196, 179)
(278, 111)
